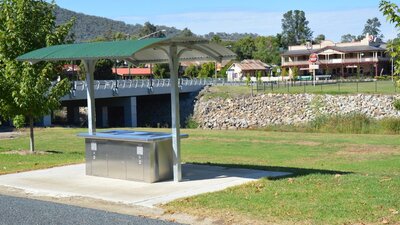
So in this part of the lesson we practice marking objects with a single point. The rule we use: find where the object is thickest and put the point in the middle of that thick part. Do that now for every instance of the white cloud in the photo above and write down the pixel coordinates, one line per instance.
(331, 23)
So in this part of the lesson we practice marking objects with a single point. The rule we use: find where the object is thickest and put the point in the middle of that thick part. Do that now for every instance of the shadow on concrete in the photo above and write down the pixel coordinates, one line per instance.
(253, 171)
(195, 172)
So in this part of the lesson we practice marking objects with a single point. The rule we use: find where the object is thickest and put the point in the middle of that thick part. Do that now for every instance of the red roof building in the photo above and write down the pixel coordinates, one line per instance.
(127, 73)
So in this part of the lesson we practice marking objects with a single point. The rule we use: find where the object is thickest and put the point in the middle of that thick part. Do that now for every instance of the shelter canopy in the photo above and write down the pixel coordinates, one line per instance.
(152, 50)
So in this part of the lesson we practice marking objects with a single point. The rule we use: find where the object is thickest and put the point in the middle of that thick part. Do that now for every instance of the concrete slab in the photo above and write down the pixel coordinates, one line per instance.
(71, 181)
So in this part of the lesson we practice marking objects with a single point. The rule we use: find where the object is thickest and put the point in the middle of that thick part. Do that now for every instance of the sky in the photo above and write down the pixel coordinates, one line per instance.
(333, 18)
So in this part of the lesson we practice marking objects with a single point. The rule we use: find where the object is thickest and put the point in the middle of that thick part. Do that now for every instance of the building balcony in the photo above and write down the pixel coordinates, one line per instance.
(338, 61)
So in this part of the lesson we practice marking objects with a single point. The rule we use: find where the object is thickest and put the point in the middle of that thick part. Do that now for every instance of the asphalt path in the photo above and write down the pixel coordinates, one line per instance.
(22, 211)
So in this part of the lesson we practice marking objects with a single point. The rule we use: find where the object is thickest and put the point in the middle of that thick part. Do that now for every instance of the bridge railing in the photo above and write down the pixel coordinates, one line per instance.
(145, 83)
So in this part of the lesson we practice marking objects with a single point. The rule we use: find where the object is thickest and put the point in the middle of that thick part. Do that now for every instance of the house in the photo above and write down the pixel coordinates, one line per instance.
(129, 73)
(239, 71)
(367, 57)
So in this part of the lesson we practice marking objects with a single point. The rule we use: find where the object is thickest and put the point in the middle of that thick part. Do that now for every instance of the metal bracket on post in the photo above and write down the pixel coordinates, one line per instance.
(176, 142)
(89, 67)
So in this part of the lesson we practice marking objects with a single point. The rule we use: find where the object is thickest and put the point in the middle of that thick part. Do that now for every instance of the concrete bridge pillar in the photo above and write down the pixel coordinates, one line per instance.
(130, 112)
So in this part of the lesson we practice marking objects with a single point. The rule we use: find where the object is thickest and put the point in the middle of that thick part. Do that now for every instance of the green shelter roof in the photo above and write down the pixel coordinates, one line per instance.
(152, 50)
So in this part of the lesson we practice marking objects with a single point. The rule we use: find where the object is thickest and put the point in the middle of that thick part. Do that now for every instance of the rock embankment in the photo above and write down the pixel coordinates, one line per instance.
(286, 109)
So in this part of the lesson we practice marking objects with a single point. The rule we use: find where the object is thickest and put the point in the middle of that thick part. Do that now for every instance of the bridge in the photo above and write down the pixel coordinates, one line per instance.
(123, 102)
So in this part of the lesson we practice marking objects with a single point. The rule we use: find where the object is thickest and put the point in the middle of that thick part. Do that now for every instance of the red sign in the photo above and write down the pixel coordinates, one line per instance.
(313, 58)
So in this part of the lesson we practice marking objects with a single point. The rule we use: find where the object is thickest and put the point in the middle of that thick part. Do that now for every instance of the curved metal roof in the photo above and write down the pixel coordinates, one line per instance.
(152, 50)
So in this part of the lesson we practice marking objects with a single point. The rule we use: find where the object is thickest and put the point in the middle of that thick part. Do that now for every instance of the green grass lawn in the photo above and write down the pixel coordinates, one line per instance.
(337, 178)
(380, 87)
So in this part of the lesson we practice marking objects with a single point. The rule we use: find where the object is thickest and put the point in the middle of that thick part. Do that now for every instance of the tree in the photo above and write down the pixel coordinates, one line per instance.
(27, 91)
(295, 73)
(283, 73)
(267, 49)
(222, 72)
(186, 33)
(160, 70)
(192, 71)
(392, 13)
(348, 38)
(244, 48)
(295, 28)
(149, 28)
(216, 39)
(319, 39)
(372, 28)
(207, 70)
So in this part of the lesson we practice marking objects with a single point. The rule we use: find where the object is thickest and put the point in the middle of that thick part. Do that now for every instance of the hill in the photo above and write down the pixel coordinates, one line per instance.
(90, 27)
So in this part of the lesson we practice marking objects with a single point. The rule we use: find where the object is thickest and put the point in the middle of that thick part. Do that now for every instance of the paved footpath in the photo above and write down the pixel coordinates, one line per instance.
(24, 211)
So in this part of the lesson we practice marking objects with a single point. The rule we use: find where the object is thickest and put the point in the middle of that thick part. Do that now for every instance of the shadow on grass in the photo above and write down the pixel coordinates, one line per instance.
(293, 171)
(54, 152)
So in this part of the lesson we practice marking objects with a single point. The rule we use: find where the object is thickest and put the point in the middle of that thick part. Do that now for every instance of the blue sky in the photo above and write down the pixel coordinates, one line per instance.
(330, 17)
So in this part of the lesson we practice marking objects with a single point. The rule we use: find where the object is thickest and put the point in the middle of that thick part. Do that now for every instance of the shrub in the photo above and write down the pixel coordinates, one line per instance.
(191, 123)
(396, 104)
(355, 123)
(391, 125)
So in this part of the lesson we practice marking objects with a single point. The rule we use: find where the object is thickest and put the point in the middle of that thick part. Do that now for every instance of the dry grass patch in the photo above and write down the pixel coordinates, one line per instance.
(368, 150)
(235, 140)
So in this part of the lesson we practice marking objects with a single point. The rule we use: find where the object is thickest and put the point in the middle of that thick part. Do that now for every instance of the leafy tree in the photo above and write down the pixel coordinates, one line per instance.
(319, 39)
(147, 28)
(161, 70)
(192, 71)
(283, 73)
(207, 70)
(372, 27)
(267, 49)
(348, 38)
(244, 48)
(295, 73)
(216, 39)
(259, 75)
(222, 72)
(186, 33)
(27, 91)
(392, 13)
(295, 28)
(248, 79)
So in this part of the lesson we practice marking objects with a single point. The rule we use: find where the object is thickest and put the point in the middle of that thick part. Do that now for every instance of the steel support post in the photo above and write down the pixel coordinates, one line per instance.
(89, 67)
(176, 138)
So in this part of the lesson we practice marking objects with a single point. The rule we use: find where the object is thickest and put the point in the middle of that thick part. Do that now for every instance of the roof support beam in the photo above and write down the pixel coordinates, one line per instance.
(89, 67)
(175, 115)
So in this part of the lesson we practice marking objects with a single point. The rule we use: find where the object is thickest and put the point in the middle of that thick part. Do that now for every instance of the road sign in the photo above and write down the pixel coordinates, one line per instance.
(313, 58)
(314, 67)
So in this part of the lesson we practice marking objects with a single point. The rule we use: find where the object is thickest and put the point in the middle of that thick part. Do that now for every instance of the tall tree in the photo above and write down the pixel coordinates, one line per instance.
(295, 28)
(319, 39)
(27, 91)
(186, 33)
(192, 71)
(216, 39)
(244, 48)
(392, 13)
(267, 49)
(161, 70)
(372, 27)
(147, 28)
(348, 38)
(207, 70)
